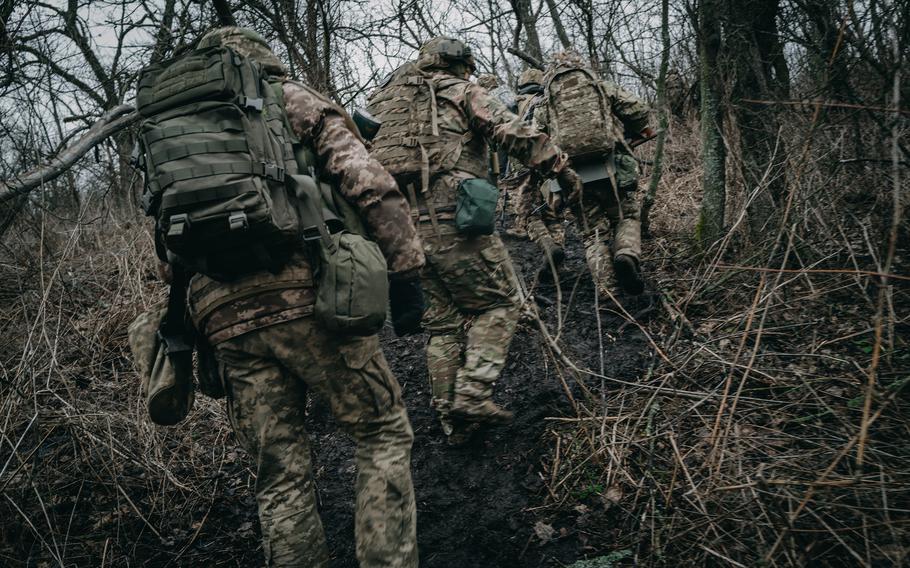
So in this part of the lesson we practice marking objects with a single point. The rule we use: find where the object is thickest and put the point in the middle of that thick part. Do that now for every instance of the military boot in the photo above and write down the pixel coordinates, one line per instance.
(484, 412)
(628, 274)
(551, 251)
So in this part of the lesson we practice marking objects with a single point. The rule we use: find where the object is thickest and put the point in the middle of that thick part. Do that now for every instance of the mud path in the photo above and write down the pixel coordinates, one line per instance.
(478, 505)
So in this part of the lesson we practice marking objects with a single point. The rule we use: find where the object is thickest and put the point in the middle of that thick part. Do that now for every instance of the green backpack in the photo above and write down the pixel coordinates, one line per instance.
(216, 151)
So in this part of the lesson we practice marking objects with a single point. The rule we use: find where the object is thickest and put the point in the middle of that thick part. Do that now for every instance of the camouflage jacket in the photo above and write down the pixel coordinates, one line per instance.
(469, 111)
(226, 310)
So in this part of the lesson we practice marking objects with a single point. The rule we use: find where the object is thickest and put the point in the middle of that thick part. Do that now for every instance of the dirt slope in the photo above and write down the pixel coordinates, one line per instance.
(478, 505)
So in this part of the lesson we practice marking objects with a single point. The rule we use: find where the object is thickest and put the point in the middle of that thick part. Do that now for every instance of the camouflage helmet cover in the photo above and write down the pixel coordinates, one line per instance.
(569, 58)
(530, 76)
(445, 52)
(488, 81)
(246, 42)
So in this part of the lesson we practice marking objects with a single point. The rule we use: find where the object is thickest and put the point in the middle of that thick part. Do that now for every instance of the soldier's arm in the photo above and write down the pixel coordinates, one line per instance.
(361, 180)
(516, 137)
(631, 111)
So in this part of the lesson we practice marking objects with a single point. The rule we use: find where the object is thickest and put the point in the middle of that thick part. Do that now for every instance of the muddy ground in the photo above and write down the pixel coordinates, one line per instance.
(477, 505)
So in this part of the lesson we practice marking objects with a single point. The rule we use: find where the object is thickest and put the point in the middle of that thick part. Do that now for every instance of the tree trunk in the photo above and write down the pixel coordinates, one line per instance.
(711, 218)
(663, 112)
(752, 50)
(557, 24)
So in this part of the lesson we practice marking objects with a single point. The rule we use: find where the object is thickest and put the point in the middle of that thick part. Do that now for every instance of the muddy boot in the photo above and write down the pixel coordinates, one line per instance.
(462, 433)
(485, 412)
(551, 251)
(628, 274)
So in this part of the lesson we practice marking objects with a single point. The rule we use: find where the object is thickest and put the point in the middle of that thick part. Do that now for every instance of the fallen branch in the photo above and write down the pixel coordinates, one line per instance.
(529, 59)
(110, 123)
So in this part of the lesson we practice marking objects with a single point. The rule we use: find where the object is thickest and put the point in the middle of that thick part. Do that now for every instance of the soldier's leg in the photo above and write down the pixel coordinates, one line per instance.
(266, 408)
(445, 347)
(479, 275)
(594, 225)
(547, 232)
(353, 375)
(520, 202)
(626, 216)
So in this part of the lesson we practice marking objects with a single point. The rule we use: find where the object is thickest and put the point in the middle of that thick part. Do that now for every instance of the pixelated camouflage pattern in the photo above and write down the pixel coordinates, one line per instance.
(344, 161)
(530, 76)
(268, 373)
(569, 58)
(247, 43)
(488, 81)
(471, 315)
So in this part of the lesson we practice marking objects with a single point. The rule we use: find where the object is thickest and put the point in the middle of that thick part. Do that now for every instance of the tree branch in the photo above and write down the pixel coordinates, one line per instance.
(530, 60)
(110, 123)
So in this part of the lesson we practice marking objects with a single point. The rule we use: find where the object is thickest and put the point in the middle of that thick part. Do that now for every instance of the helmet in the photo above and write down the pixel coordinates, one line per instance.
(247, 43)
(488, 81)
(530, 76)
(569, 58)
(445, 52)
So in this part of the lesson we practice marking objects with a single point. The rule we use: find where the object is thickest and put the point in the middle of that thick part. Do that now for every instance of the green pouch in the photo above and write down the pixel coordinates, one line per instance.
(475, 207)
(352, 287)
(352, 283)
(168, 390)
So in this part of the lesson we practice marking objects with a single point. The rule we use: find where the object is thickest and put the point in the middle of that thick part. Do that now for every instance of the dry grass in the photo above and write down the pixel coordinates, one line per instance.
(742, 443)
(770, 426)
(84, 477)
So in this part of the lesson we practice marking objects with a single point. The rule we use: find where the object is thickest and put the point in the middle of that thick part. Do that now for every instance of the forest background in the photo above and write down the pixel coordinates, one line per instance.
(749, 410)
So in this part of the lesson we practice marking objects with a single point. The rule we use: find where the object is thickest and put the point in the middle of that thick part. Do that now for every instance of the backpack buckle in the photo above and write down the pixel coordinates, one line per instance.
(238, 221)
(250, 102)
(273, 171)
(179, 225)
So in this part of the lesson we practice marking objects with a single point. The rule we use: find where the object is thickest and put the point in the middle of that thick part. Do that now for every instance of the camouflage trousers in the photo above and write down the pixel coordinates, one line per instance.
(608, 220)
(472, 311)
(532, 213)
(268, 373)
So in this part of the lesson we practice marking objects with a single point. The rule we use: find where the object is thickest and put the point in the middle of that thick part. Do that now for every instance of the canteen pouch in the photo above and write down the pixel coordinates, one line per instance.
(352, 286)
(168, 389)
(475, 207)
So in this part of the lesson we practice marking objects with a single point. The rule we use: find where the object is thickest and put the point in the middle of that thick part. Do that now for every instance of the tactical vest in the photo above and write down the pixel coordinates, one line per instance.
(579, 115)
(414, 142)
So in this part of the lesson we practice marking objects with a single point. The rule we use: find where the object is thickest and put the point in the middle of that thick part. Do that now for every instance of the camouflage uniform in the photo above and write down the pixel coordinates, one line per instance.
(472, 294)
(606, 213)
(271, 351)
(532, 210)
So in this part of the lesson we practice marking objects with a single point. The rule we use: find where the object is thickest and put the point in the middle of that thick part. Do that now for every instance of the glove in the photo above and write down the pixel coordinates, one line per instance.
(406, 299)
(571, 186)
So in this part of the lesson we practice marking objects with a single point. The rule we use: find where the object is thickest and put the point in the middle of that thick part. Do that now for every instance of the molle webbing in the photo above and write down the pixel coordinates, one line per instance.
(173, 131)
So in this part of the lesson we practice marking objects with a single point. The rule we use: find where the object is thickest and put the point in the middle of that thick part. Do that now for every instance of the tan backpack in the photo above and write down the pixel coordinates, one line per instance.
(580, 119)
(411, 143)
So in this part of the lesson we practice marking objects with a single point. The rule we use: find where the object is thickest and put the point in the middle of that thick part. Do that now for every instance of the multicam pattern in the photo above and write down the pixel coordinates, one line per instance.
(470, 284)
(268, 373)
(471, 315)
(606, 215)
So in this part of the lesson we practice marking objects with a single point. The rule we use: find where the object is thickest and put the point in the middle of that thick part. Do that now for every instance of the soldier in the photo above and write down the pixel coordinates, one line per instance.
(271, 351)
(676, 93)
(607, 211)
(533, 214)
(472, 294)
